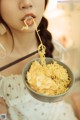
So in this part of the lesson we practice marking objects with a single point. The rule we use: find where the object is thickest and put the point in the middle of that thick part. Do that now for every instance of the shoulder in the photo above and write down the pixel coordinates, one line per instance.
(3, 50)
(2, 45)
(3, 40)
(5, 43)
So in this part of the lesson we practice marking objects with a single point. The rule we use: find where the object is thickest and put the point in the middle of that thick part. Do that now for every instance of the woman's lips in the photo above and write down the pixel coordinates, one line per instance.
(28, 21)
(27, 15)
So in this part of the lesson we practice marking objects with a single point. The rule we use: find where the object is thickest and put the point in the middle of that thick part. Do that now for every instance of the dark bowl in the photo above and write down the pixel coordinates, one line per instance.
(46, 98)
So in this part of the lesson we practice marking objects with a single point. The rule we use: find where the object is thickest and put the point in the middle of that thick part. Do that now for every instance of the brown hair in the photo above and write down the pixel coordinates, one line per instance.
(45, 35)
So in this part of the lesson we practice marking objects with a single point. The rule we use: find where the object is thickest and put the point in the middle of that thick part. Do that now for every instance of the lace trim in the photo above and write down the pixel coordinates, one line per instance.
(16, 75)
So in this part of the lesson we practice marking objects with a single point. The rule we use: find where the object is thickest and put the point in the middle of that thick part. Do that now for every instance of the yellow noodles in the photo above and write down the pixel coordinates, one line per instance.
(41, 51)
(51, 79)
(41, 48)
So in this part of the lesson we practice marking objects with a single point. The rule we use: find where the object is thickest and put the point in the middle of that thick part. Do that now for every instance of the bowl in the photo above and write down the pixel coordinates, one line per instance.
(39, 96)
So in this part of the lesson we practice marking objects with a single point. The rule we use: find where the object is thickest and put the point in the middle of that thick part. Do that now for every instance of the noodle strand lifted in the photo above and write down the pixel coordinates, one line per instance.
(41, 47)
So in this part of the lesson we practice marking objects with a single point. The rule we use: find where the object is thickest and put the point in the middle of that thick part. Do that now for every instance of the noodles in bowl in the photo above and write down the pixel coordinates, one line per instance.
(48, 83)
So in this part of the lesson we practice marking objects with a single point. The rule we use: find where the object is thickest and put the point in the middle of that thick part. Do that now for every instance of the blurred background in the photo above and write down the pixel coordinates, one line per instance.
(64, 24)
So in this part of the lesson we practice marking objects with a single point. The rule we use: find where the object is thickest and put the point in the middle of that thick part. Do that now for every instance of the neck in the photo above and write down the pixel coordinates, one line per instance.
(24, 42)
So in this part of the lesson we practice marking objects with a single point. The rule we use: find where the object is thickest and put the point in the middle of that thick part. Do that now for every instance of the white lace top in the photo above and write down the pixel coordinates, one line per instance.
(22, 106)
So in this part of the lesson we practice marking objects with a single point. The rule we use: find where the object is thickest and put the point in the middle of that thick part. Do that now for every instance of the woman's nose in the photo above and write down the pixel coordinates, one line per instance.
(25, 4)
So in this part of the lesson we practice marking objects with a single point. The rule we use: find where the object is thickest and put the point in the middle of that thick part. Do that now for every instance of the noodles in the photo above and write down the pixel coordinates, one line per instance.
(29, 20)
(51, 79)
(41, 48)
(25, 27)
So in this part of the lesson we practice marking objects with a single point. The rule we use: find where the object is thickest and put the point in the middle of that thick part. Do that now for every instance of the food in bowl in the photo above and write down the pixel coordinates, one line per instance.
(50, 79)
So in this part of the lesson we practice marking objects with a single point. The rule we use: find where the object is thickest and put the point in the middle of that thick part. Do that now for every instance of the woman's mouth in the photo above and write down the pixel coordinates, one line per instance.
(28, 21)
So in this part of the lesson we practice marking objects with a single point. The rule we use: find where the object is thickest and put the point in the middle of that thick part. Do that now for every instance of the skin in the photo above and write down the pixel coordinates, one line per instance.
(22, 39)
(12, 11)
(20, 7)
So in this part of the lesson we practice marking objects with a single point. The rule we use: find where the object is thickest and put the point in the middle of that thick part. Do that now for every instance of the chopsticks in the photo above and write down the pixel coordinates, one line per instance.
(18, 60)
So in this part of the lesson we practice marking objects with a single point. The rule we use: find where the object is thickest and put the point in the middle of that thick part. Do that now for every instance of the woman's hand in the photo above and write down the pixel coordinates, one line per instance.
(3, 106)
(3, 109)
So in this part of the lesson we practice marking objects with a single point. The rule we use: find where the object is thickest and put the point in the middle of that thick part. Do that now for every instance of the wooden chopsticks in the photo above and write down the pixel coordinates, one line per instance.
(18, 60)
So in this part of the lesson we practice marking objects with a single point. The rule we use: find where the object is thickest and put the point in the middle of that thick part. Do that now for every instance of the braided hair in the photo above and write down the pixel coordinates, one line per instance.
(45, 35)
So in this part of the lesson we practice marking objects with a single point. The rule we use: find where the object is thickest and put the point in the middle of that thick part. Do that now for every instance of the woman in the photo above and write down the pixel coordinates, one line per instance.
(15, 101)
